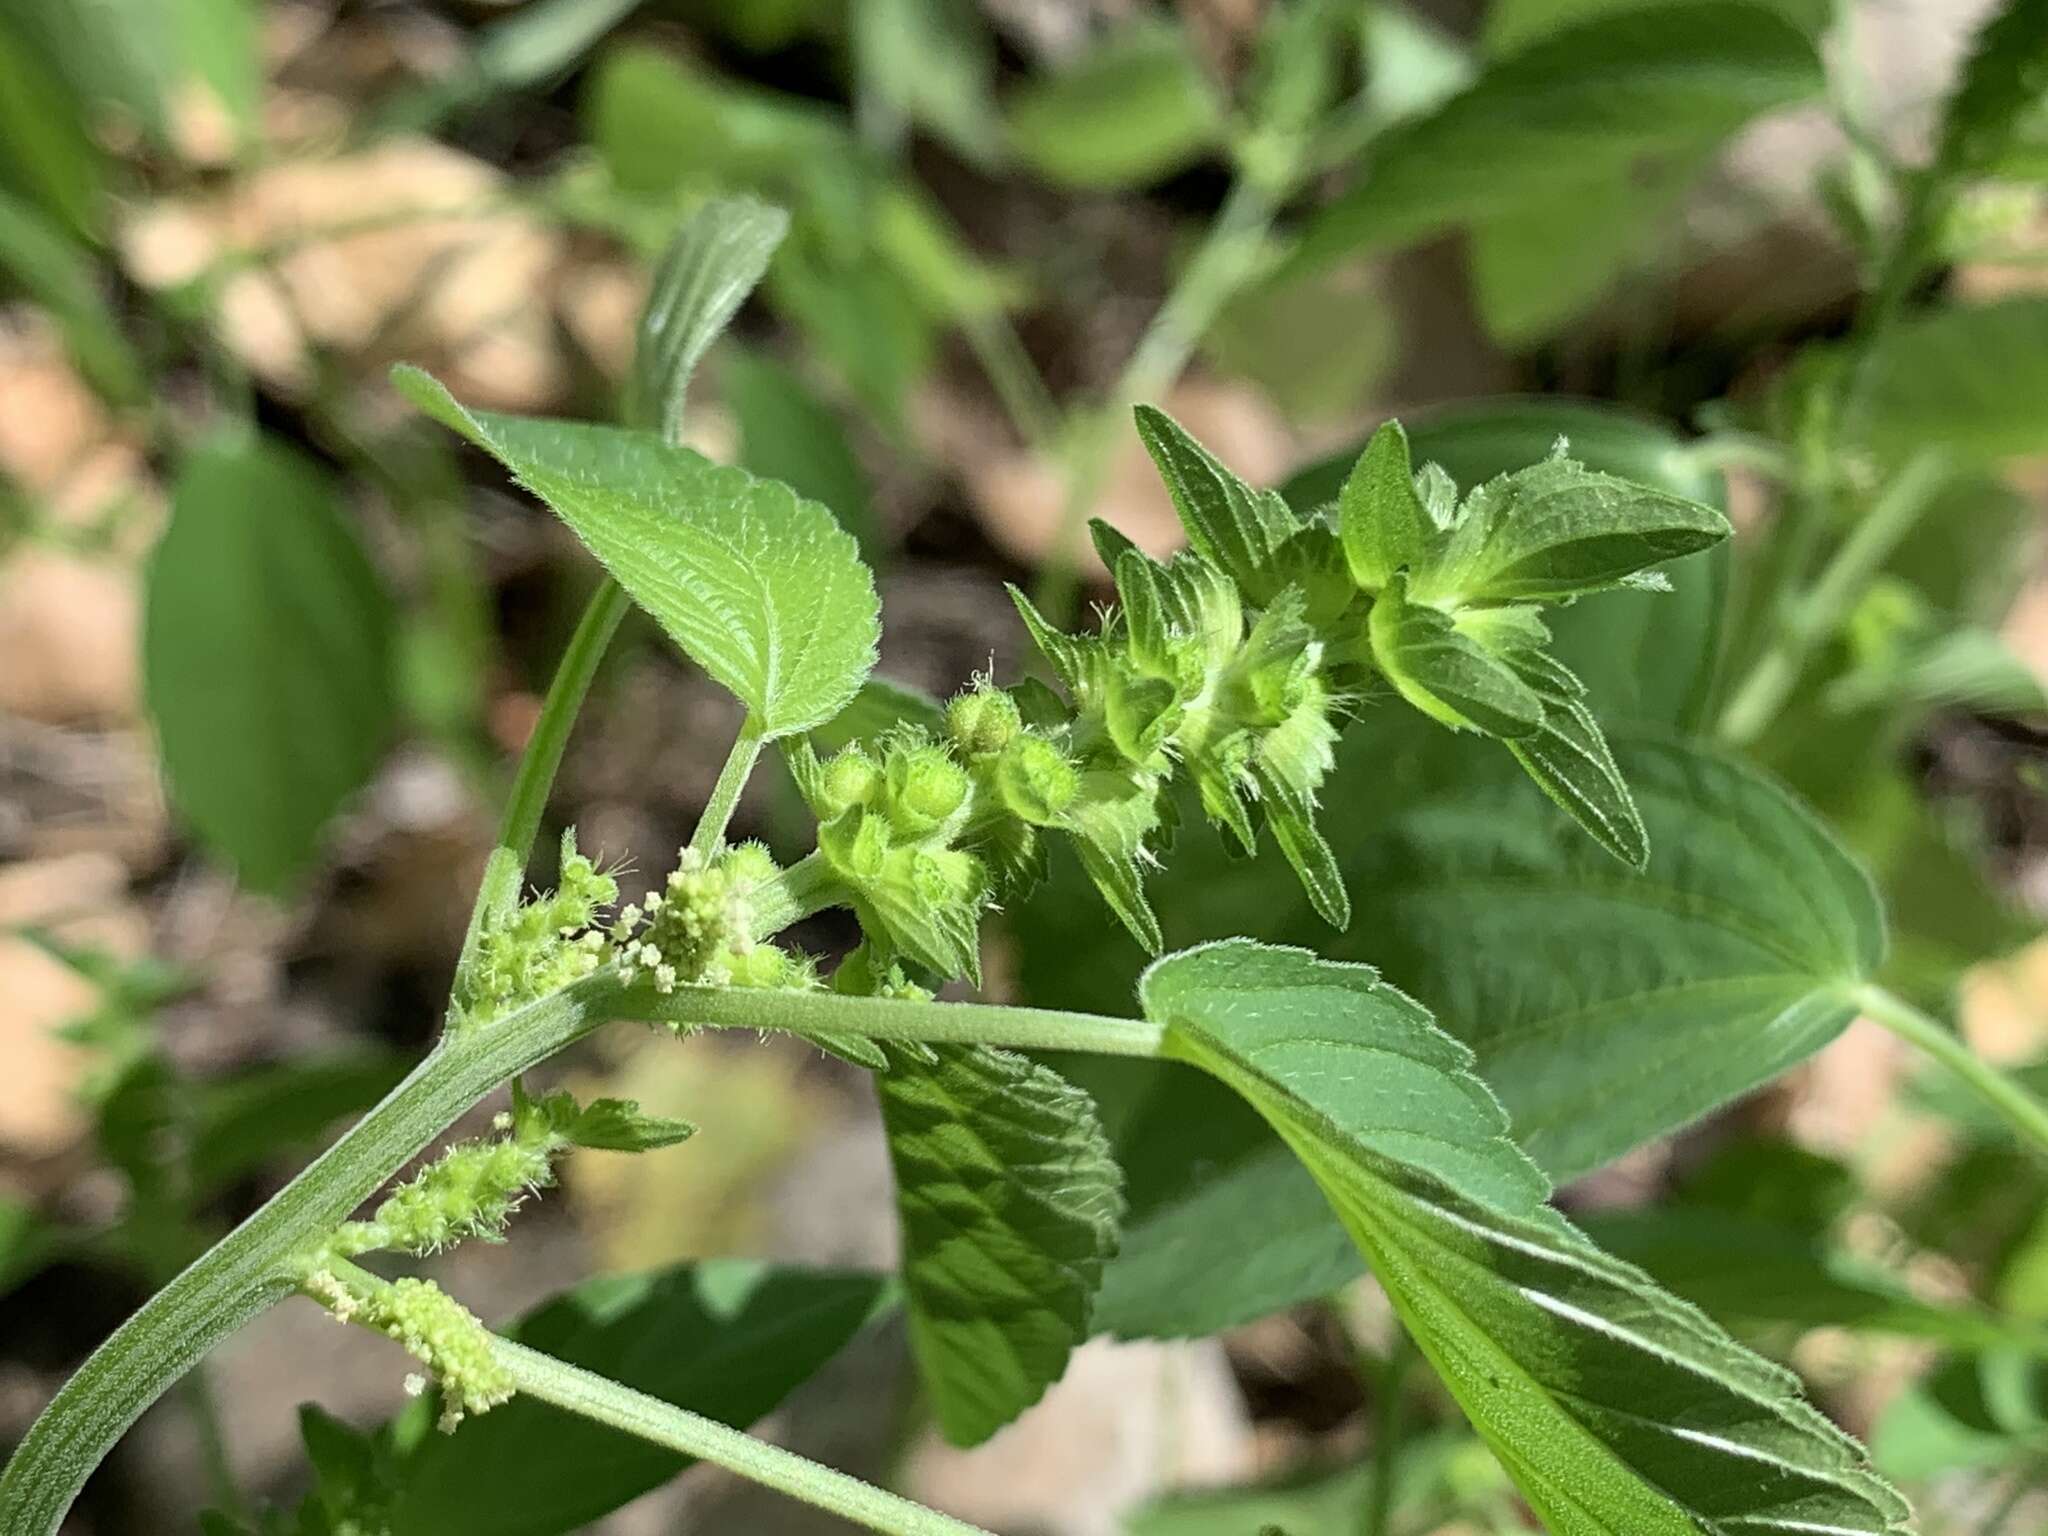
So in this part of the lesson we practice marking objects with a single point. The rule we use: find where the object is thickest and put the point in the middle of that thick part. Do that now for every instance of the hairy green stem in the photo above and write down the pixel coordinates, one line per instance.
(604, 1401)
(2019, 1108)
(257, 1264)
(648, 1418)
(886, 1018)
(538, 765)
(725, 794)
(254, 1266)
(1387, 1431)
(1815, 616)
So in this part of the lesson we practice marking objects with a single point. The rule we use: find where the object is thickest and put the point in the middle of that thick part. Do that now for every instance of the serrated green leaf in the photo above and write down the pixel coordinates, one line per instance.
(1384, 525)
(1646, 658)
(266, 655)
(1570, 761)
(1446, 674)
(1558, 530)
(1613, 1406)
(1009, 1201)
(729, 1338)
(1233, 526)
(1223, 1223)
(758, 586)
(1753, 1274)
(716, 259)
(1731, 958)
(1128, 111)
(617, 1125)
(1586, 101)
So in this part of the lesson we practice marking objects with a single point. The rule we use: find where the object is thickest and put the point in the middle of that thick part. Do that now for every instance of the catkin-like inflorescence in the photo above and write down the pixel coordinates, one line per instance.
(541, 945)
(470, 1190)
(435, 1329)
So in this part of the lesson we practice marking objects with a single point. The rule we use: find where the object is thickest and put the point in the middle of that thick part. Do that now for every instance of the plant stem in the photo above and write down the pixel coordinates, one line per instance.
(805, 887)
(1012, 375)
(648, 1418)
(499, 890)
(1386, 1434)
(203, 1409)
(884, 1018)
(1229, 255)
(253, 1267)
(2020, 1109)
(1813, 617)
(725, 794)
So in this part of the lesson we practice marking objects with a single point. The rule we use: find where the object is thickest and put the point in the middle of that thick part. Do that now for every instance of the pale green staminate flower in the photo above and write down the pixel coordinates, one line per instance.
(541, 946)
(697, 930)
(435, 1329)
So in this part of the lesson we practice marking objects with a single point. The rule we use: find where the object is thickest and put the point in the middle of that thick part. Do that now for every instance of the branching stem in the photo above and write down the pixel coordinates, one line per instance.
(1815, 616)
(2019, 1108)
(725, 794)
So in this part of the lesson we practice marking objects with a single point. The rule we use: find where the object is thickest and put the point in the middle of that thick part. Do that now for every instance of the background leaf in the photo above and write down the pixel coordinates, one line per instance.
(1613, 1406)
(787, 433)
(1009, 1201)
(266, 655)
(1580, 105)
(714, 262)
(1972, 379)
(758, 586)
(1131, 110)
(725, 1337)
(1729, 959)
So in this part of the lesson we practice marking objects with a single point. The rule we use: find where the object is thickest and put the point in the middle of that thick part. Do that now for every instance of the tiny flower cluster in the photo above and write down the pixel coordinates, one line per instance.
(698, 929)
(471, 1190)
(540, 946)
(435, 1329)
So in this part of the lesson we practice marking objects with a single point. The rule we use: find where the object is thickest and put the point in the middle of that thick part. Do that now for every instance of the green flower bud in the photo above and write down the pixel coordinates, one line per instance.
(1141, 713)
(982, 721)
(868, 848)
(850, 779)
(1035, 780)
(749, 867)
(925, 786)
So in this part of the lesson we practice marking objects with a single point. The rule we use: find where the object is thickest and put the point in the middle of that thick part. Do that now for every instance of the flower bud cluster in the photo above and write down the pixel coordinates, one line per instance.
(471, 1190)
(1188, 677)
(922, 831)
(541, 945)
(698, 929)
(435, 1329)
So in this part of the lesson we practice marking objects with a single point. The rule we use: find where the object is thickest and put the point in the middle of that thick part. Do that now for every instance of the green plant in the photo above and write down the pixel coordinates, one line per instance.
(1314, 667)
(1229, 671)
